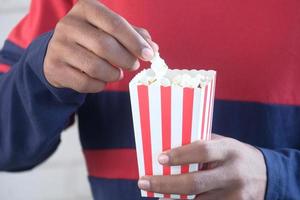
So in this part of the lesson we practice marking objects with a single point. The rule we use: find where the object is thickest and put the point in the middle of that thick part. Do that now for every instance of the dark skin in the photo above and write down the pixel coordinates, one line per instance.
(237, 171)
(91, 46)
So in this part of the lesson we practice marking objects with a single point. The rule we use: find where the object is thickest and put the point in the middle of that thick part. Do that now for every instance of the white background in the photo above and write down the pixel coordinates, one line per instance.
(63, 176)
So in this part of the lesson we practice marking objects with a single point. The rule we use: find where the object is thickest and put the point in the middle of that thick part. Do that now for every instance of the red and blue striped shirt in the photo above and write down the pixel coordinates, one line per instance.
(254, 45)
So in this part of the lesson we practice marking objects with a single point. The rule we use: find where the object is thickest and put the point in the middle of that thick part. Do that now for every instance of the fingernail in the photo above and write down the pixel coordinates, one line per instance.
(121, 74)
(147, 53)
(163, 159)
(136, 65)
(155, 46)
(144, 184)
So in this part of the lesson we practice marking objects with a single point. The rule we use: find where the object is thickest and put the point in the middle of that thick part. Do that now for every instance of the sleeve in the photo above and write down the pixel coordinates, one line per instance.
(283, 173)
(32, 112)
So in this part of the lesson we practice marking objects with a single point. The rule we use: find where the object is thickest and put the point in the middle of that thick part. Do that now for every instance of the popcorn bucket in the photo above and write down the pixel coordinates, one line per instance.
(169, 117)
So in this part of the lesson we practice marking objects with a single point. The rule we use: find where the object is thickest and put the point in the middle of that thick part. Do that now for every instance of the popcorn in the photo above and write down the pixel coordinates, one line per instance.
(159, 66)
(165, 82)
(185, 80)
(161, 75)
(147, 80)
(170, 108)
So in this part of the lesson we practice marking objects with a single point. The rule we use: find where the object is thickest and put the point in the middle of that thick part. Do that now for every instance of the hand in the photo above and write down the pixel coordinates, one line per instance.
(237, 171)
(91, 46)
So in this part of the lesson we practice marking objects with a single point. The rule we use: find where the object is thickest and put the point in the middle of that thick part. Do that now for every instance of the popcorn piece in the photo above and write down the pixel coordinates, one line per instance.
(177, 80)
(165, 82)
(186, 80)
(146, 80)
(159, 66)
(194, 83)
(202, 79)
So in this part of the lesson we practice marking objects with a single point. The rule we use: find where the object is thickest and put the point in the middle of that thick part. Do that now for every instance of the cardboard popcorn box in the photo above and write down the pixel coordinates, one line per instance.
(166, 117)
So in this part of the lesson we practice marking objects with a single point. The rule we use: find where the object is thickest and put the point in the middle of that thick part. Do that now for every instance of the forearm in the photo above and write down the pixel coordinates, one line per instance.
(32, 113)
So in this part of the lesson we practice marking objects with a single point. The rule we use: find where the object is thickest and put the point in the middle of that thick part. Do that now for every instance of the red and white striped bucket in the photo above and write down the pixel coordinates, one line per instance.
(169, 117)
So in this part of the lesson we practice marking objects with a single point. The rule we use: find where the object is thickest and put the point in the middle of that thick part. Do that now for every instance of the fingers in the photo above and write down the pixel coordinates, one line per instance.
(113, 24)
(91, 45)
(187, 184)
(225, 194)
(146, 35)
(216, 136)
(76, 80)
(197, 152)
(211, 195)
(90, 64)
(215, 194)
(143, 32)
(100, 43)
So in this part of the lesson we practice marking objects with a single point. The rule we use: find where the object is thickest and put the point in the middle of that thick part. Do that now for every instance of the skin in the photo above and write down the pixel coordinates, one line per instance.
(237, 171)
(91, 46)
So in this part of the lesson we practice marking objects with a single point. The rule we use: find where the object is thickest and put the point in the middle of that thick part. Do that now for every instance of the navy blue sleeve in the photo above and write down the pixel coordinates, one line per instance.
(32, 112)
(283, 173)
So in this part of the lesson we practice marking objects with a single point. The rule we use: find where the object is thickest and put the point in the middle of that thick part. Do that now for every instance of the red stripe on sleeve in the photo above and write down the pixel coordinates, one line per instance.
(145, 126)
(42, 17)
(188, 98)
(4, 68)
(106, 163)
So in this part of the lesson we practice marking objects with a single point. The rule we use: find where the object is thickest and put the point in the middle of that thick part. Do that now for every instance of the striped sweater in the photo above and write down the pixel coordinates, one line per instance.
(254, 45)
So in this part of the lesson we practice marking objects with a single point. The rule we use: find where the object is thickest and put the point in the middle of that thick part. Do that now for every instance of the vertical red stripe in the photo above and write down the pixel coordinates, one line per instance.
(204, 113)
(208, 131)
(166, 125)
(4, 68)
(145, 128)
(188, 98)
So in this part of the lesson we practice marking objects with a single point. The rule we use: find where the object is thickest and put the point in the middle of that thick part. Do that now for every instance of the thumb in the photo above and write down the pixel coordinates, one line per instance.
(146, 35)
